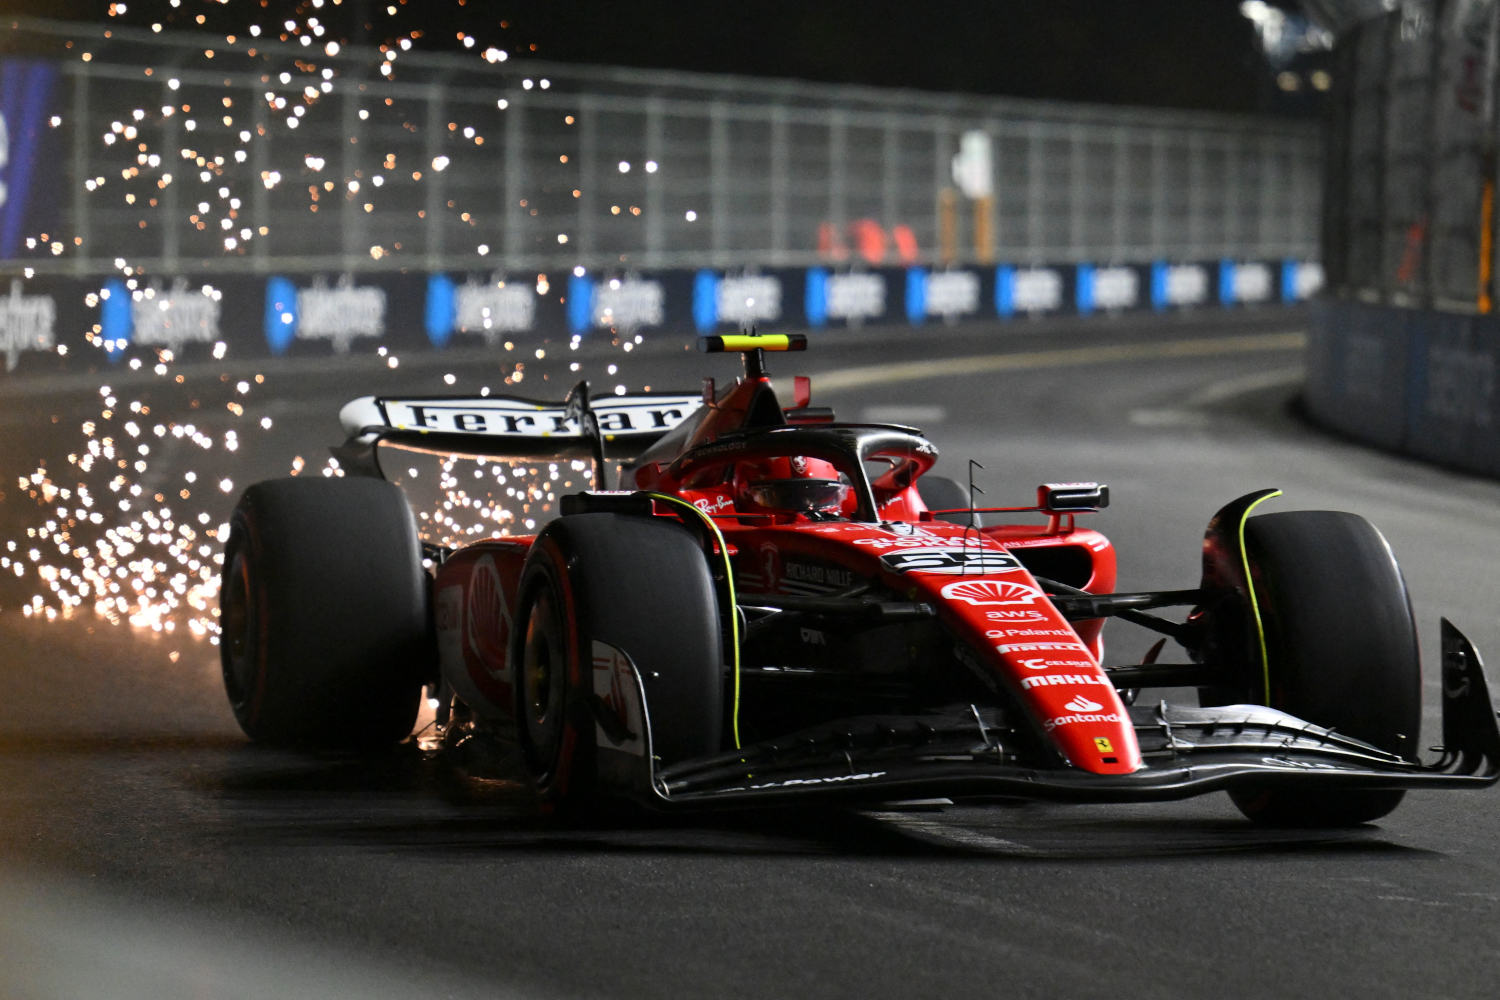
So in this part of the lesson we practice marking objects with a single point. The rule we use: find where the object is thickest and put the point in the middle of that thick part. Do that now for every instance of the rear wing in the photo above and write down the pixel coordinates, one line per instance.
(610, 428)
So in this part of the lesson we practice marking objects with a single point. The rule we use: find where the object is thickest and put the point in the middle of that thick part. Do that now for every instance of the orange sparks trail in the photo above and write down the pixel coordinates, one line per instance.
(151, 557)
(109, 544)
(120, 532)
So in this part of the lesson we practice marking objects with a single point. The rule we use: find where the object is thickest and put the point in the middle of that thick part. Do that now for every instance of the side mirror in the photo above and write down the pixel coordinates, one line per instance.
(1071, 498)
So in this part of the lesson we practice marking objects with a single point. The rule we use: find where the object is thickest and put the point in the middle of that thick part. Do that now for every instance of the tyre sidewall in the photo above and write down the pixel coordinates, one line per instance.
(642, 586)
(1340, 651)
(335, 637)
(559, 761)
(1339, 631)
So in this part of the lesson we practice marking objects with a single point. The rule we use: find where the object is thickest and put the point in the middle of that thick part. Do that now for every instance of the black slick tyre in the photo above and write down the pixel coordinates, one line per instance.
(326, 633)
(641, 585)
(1341, 652)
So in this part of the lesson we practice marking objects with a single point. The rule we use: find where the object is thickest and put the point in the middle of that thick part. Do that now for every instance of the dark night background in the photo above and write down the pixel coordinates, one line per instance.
(1194, 54)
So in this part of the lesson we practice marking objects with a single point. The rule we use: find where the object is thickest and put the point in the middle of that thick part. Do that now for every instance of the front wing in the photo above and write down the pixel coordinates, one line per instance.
(1187, 751)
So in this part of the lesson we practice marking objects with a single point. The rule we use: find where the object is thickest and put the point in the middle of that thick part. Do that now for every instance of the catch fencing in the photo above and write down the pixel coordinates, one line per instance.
(457, 163)
(186, 192)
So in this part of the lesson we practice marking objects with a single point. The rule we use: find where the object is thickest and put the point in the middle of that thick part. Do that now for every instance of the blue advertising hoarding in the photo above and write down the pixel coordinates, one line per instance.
(28, 88)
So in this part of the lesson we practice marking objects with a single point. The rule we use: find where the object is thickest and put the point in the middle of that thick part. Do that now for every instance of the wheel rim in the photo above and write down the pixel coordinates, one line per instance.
(543, 676)
(236, 628)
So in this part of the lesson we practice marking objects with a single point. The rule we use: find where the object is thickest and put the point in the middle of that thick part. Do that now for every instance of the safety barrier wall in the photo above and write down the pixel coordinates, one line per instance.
(58, 323)
(1410, 380)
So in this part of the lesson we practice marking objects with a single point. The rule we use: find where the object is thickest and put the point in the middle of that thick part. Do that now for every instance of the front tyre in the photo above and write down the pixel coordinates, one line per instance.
(326, 637)
(641, 585)
(1340, 648)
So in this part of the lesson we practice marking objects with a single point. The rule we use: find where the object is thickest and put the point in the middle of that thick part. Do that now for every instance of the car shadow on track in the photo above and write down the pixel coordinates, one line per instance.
(410, 803)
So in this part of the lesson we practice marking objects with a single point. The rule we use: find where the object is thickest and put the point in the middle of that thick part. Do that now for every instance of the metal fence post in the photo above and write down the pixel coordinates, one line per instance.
(260, 195)
(890, 163)
(1120, 194)
(171, 199)
(434, 211)
(589, 178)
(718, 182)
(1159, 193)
(655, 204)
(514, 184)
(779, 171)
(945, 200)
(79, 130)
(1035, 198)
(1077, 193)
(837, 211)
(351, 218)
(1196, 187)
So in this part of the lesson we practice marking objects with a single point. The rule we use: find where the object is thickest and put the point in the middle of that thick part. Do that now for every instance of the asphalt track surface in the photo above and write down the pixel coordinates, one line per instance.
(146, 850)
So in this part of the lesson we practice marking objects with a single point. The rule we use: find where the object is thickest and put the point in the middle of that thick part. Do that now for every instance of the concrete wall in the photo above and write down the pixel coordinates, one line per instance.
(1415, 381)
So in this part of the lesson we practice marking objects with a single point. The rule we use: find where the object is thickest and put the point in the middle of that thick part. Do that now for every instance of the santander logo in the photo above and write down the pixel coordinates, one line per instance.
(991, 592)
(1082, 704)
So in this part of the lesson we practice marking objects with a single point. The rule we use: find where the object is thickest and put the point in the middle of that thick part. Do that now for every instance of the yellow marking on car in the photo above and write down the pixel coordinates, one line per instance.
(734, 615)
(1260, 628)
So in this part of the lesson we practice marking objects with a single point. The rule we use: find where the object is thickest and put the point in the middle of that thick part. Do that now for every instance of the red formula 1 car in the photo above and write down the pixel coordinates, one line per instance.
(773, 604)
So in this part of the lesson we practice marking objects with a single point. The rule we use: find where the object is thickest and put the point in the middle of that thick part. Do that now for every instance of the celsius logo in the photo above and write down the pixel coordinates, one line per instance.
(1041, 663)
(1082, 704)
(982, 592)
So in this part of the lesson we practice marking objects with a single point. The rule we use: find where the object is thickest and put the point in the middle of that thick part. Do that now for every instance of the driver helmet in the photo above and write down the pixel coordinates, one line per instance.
(794, 485)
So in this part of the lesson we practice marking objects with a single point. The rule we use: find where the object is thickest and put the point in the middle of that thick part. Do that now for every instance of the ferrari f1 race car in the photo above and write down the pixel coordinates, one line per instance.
(758, 603)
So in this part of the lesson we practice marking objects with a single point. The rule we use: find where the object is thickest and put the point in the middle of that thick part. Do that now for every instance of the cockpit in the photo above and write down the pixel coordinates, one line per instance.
(861, 472)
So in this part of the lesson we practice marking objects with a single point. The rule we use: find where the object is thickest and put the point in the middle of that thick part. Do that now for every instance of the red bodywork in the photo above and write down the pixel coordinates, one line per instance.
(985, 598)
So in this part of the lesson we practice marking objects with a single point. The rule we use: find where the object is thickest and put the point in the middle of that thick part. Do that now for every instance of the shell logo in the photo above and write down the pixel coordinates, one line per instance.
(487, 625)
(983, 592)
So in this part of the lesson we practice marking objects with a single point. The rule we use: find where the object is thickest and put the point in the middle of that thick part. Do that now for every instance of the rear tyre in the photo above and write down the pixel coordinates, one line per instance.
(1341, 650)
(641, 585)
(326, 636)
(942, 493)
